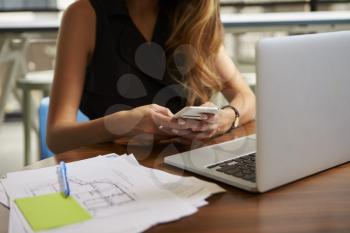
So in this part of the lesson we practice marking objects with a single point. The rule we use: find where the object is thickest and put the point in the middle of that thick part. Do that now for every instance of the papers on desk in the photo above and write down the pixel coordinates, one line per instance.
(119, 194)
(3, 196)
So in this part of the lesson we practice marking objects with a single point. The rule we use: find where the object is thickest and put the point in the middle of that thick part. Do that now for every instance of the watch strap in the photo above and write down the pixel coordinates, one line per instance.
(237, 115)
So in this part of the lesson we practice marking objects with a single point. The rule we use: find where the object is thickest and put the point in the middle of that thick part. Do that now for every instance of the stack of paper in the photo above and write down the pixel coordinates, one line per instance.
(3, 196)
(109, 193)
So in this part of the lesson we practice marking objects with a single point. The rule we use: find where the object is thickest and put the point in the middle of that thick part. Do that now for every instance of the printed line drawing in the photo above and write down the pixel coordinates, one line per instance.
(95, 196)
(101, 194)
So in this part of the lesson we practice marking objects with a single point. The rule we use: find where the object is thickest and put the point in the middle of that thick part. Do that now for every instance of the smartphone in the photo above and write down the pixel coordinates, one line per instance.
(194, 112)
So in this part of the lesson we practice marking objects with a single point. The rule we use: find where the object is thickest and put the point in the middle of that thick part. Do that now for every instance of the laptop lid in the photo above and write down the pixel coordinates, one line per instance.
(303, 93)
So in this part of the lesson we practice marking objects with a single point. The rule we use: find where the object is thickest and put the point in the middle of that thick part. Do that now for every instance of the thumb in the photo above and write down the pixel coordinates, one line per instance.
(163, 110)
(208, 104)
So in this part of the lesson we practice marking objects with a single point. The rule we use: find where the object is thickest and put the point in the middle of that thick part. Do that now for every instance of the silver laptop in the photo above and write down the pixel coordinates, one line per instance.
(303, 116)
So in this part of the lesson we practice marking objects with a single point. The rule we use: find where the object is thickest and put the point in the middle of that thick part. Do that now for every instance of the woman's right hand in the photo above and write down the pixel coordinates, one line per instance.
(147, 119)
(144, 120)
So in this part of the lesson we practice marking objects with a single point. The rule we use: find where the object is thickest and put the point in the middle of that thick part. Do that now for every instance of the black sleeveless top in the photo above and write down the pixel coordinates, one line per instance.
(125, 70)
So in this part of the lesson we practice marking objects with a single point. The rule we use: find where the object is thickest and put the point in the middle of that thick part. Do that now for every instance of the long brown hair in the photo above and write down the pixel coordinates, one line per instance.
(197, 33)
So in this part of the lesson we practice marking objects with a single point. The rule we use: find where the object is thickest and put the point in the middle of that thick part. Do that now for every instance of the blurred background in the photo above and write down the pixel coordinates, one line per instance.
(28, 32)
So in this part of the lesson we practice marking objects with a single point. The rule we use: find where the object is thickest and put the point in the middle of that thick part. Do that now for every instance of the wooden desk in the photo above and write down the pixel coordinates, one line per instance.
(320, 203)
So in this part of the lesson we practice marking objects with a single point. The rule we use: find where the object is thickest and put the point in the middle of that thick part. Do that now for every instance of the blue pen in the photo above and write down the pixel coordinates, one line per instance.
(63, 172)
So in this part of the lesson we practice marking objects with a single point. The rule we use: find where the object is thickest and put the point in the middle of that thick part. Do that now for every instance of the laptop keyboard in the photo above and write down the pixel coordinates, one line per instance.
(242, 167)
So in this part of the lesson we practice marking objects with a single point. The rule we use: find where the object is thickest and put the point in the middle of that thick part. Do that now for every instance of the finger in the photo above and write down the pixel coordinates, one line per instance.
(212, 131)
(206, 135)
(213, 119)
(176, 132)
(206, 126)
(203, 126)
(181, 121)
(207, 117)
(181, 132)
(166, 121)
(165, 131)
(212, 127)
(189, 124)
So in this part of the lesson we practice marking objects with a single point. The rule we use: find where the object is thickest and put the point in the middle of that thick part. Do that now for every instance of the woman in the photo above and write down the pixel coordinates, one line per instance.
(130, 64)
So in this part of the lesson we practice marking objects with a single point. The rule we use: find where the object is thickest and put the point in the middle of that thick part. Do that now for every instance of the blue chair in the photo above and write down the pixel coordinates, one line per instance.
(43, 114)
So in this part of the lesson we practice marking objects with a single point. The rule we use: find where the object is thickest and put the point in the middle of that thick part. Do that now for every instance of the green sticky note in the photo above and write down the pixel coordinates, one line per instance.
(51, 211)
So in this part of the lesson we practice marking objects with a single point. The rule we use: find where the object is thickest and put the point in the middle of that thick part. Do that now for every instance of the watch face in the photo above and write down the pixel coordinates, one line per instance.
(236, 123)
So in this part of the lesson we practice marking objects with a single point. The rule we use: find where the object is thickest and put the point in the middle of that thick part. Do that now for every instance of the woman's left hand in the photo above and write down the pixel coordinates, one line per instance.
(204, 129)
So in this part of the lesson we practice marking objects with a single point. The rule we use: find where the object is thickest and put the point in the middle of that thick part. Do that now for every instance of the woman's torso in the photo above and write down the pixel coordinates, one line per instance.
(125, 71)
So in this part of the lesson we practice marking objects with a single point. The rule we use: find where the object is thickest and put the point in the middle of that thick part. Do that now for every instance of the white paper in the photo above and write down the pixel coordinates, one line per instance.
(16, 225)
(127, 202)
(3, 196)
(190, 189)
